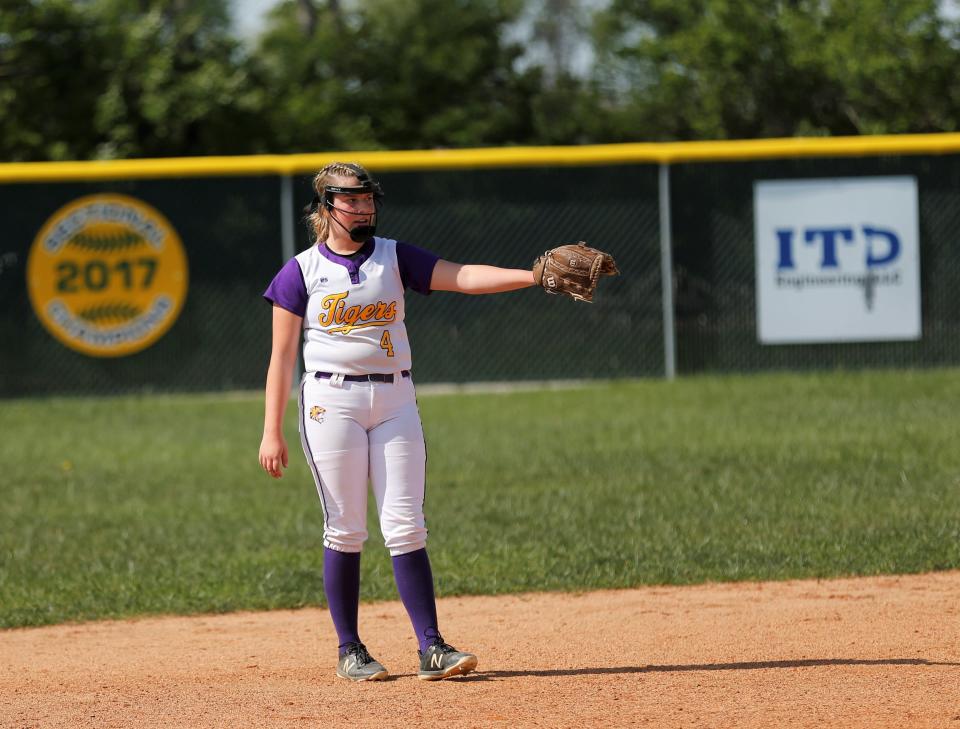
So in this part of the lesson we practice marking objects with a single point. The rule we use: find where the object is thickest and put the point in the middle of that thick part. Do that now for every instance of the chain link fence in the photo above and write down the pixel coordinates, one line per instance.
(232, 232)
(507, 218)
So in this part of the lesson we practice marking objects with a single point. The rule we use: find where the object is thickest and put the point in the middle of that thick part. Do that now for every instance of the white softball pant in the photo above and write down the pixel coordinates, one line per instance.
(353, 432)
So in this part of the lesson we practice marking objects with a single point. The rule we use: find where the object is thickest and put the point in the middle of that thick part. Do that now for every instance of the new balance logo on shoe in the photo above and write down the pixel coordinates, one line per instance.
(358, 665)
(441, 660)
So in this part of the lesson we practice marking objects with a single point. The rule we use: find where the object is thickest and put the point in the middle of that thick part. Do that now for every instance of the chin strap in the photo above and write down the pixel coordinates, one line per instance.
(360, 234)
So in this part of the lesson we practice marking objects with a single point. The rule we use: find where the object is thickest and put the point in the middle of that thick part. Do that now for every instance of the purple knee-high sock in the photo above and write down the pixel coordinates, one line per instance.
(415, 585)
(341, 582)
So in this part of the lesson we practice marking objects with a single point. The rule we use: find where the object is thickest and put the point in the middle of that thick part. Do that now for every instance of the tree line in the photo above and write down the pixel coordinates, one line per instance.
(102, 79)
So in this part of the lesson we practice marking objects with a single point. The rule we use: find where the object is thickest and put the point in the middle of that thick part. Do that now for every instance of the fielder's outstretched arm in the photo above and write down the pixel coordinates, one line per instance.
(478, 279)
(286, 341)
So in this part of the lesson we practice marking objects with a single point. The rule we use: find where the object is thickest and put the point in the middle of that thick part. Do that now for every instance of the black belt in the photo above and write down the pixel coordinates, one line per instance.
(361, 378)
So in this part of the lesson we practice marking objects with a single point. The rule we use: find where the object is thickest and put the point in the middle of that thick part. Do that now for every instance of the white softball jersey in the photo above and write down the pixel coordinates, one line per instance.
(355, 431)
(352, 306)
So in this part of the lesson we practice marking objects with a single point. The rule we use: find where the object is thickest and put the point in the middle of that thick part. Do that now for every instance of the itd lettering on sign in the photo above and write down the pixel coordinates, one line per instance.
(838, 260)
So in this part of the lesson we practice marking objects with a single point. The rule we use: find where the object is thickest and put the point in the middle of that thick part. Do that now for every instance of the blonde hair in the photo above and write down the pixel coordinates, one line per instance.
(319, 219)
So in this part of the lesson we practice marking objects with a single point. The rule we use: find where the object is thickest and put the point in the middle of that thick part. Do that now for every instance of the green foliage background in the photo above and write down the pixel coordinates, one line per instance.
(90, 79)
(134, 505)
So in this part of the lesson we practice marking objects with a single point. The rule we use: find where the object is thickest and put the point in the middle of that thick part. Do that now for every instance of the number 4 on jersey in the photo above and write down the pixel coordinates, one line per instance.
(386, 344)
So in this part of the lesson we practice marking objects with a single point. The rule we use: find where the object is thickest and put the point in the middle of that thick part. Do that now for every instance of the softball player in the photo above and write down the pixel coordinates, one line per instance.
(358, 412)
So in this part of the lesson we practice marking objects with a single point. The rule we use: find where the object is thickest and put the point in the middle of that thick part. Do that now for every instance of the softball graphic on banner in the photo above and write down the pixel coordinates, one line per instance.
(107, 275)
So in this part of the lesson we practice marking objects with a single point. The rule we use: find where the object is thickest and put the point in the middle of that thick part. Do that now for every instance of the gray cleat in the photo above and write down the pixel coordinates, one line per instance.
(357, 665)
(444, 661)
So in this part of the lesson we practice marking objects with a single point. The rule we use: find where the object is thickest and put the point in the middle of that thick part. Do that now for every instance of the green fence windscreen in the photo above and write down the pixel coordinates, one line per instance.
(231, 233)
(507, 218)
(231, 229)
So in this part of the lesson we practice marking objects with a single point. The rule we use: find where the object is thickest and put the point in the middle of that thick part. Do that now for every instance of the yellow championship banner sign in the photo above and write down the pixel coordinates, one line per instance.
(107, 275)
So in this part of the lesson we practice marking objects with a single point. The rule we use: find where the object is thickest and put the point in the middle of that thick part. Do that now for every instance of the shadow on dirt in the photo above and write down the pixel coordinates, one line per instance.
(746, 666)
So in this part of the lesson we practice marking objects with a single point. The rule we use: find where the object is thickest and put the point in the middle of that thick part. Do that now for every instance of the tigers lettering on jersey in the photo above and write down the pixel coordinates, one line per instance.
(334, 310)
(353, 306)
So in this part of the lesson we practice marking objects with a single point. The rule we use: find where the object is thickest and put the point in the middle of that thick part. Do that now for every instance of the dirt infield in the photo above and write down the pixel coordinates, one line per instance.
(879, 652)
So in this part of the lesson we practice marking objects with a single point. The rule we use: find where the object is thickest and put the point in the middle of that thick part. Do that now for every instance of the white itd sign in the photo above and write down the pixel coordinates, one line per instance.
(838, 260)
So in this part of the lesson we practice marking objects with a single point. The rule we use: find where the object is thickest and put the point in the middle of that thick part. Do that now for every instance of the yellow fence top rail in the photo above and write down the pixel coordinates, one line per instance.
(605, 154)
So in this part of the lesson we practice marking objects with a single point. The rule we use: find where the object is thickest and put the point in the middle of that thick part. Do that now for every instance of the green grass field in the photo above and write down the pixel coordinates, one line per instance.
(125, 506)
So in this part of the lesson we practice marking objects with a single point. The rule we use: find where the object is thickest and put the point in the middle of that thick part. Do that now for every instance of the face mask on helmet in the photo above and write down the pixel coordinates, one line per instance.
(366, 185)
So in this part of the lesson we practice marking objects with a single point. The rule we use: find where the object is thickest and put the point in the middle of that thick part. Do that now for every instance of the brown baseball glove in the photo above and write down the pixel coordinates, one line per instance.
(573, 270)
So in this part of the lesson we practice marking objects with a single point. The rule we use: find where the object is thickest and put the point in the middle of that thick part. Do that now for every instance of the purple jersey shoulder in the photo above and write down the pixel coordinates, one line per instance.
(288, 289)
(416, 267)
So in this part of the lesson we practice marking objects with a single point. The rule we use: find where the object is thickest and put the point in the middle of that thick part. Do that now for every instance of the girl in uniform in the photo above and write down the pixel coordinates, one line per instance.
(358, 412)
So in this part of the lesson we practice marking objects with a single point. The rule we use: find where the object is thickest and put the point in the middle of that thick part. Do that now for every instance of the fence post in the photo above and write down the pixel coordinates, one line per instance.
(288, 246)
(666, 276)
